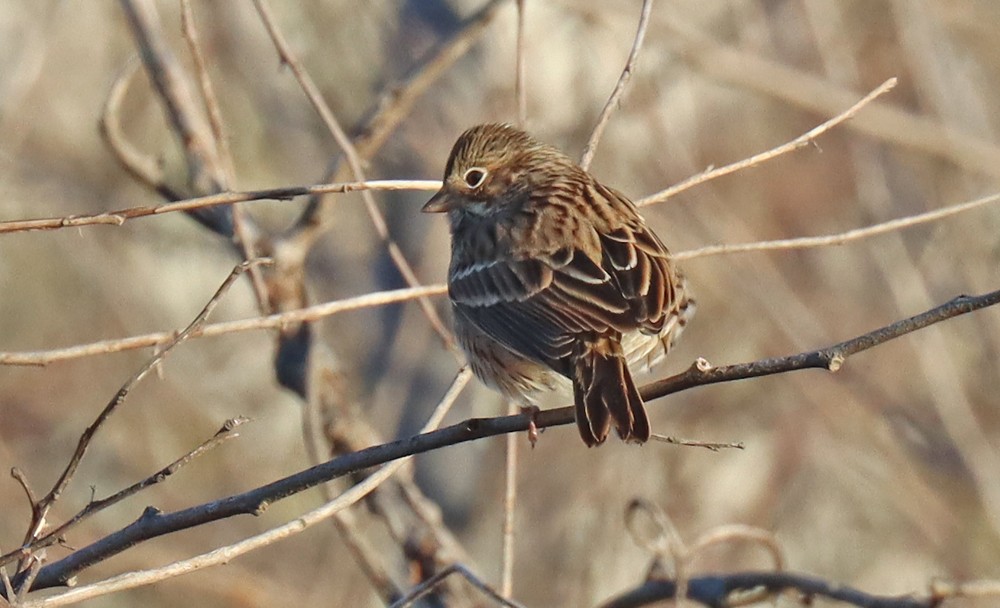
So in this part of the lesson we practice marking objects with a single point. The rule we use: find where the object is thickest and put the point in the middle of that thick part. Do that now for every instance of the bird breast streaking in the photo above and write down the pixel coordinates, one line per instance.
(555, 280)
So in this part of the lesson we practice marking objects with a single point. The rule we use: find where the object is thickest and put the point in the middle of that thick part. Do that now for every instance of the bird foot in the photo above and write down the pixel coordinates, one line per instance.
(531, 411)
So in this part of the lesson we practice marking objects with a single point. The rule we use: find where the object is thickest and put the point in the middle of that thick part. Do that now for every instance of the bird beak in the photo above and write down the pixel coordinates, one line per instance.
(439, 203)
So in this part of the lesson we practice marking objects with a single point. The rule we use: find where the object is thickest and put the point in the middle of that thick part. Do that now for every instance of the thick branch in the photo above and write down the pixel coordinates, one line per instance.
(154, 523)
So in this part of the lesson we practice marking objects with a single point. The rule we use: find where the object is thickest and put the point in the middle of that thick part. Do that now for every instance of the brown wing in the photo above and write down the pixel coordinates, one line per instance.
(540, 305)
(639, 263)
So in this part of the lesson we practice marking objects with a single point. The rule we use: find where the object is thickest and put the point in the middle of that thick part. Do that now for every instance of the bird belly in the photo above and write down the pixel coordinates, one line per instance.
(512, 374)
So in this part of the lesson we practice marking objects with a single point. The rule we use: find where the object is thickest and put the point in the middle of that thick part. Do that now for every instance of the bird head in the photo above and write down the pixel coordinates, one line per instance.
(490, 167)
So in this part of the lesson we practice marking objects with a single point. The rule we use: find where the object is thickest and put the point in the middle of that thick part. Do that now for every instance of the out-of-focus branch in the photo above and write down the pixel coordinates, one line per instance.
(397, 100)
(842, 237)
(424, 588)
(394, 105)
(715, 590)
(817, 94)
(353, 161)
(142, 168)
(520, 71)
(801, 141)
(179, 104)
(619, 90)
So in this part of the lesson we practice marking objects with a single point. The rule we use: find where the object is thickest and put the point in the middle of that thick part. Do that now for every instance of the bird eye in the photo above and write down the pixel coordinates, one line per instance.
(475, 177)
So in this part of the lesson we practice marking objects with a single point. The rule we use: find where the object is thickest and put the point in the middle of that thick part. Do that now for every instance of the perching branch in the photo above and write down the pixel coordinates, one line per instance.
(155, 523)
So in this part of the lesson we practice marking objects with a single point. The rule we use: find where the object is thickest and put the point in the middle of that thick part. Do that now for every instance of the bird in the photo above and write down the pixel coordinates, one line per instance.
(555, 281)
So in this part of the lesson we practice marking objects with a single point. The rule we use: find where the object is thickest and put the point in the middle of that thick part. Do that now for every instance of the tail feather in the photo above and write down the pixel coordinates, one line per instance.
(604, 392)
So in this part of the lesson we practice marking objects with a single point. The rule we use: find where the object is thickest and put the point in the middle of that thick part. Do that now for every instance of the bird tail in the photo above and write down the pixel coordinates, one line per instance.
(604, 393)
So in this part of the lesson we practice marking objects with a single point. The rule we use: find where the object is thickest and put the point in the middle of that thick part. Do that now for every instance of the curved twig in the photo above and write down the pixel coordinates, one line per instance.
(714, 590)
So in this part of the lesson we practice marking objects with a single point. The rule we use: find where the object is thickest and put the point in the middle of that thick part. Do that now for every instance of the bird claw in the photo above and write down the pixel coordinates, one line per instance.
(531, 411)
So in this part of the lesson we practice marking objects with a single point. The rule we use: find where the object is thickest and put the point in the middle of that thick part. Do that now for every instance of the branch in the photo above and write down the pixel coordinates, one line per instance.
(354, 162)
(425, 587)
(155, 524)
(714, 590)
(227, 432)
(817, 94)
(41, 509)
(119, 217)
(275, 321)
(801, 141)
(842, 237)
(619, 90)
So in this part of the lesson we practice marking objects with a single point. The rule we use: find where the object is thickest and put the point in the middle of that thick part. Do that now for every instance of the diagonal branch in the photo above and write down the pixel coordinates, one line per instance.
(156, 524)
(801, 141)
(619, 90)
(41, 508)
(353, 161)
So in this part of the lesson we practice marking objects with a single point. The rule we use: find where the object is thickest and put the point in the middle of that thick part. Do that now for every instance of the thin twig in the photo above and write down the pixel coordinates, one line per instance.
(311, 313)
(227, 432)
(142, 168)
(711, 446)
(119, 217)
(190, 31)
(22, 481)
(817, 93)
(172, 88)
(801, 141)
(42, 507)
(840, 238)
(353, 161)
(244, 229)
(521, 74)
(619, 90)
(425, 587)
(388, 297)
(509, 504)
(154, 523)
(395, 104)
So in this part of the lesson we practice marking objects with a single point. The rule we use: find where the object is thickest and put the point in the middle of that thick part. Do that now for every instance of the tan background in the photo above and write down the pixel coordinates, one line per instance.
(882, 476)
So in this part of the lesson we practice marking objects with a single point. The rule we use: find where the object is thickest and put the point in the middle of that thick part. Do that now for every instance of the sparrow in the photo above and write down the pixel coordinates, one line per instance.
(555, 281)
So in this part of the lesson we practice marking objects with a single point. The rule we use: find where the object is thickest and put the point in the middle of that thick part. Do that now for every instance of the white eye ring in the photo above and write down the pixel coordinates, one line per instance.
(474, 177)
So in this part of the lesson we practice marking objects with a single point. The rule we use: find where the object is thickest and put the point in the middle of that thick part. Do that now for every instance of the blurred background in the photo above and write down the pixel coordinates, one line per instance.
(884, 475)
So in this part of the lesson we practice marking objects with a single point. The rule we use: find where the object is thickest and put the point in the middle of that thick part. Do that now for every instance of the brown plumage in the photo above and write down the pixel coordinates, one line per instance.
(555, 277)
